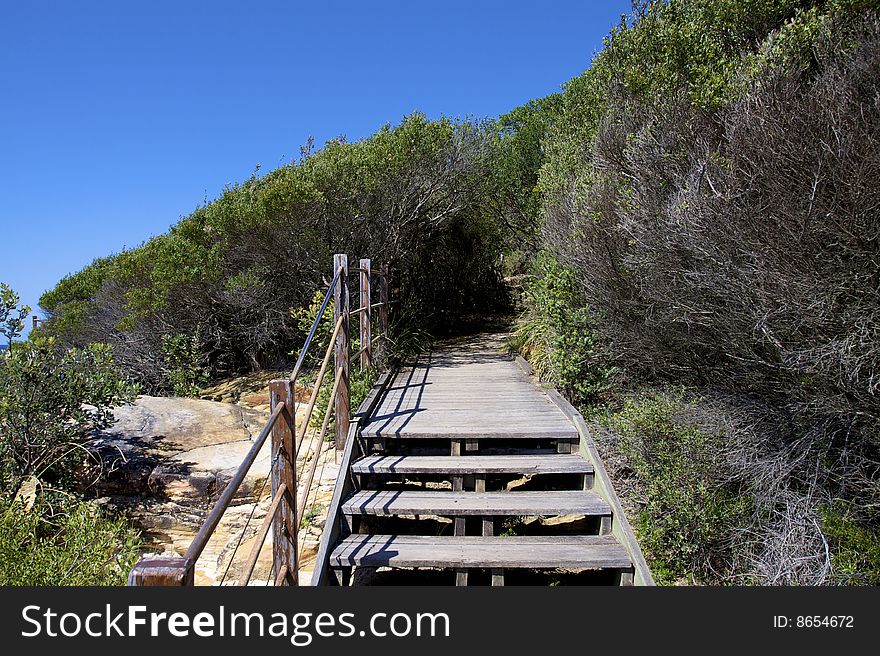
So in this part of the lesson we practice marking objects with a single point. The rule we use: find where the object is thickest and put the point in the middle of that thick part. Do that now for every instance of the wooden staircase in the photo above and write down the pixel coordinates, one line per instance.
(462, 465)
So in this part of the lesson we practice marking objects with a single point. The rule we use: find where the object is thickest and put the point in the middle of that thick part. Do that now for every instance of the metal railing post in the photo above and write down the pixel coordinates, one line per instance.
(283, 468)
(366, 316)
(341, 309)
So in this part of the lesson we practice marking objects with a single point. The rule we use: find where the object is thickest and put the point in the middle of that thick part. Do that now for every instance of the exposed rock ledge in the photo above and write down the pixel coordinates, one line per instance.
(171, 459)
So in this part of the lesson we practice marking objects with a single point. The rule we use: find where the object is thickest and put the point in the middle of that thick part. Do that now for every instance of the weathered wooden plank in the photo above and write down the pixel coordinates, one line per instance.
(492, 414)
(365, 317)
(472, 432)
(284, 531)
(462, 552)
(446, 503)
(437, 392)
(512, 464)
(340, 311)
(488, 410)
(463, 401)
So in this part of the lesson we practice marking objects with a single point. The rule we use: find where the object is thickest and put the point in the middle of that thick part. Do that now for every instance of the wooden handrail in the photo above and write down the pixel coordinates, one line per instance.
(204, 534)
(301, 508)
(263, 531)
(181, 571)
(287, 441)
(364, 309)
(318, 380)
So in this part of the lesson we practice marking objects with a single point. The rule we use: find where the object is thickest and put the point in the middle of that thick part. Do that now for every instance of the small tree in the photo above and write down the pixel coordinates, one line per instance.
(11, 314)
(50, 401)
(183, 368)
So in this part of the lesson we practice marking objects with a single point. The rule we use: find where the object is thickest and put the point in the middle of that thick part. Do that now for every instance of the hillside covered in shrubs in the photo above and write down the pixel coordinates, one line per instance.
(697, 221)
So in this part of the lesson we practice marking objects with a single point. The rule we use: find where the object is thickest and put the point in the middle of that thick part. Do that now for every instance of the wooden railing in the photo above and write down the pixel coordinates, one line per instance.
(285, 514)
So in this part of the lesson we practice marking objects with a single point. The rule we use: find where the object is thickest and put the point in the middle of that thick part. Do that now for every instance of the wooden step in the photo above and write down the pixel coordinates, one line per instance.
(570, 552)
(471, 431)
(445, 503)
(463, 465)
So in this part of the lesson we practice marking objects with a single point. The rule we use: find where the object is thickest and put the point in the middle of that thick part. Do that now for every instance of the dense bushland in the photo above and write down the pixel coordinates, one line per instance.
(224, 279)
(711, 187)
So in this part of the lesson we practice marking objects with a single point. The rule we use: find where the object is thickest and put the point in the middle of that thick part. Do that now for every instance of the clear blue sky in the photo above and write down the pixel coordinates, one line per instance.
(117, 118)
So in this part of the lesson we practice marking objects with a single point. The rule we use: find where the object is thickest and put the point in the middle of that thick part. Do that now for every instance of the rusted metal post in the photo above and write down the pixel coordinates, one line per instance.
(341, 309)
(163, 572)
(283, 466)
(366, 318)
(383, 312)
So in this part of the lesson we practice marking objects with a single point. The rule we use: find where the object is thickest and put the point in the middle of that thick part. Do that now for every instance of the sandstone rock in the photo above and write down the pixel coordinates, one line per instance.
(171, 458)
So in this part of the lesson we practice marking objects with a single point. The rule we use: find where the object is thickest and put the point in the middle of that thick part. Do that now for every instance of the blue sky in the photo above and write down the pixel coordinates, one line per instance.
(117, 118)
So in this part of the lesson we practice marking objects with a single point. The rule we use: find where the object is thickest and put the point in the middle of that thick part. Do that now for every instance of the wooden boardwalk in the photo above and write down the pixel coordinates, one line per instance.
(472, 392)
(463, 464)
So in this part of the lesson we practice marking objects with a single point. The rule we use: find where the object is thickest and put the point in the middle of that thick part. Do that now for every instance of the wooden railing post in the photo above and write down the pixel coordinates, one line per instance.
(173, 571)
(341, 309)
(283, 467)
(383, 311)
(366, 318)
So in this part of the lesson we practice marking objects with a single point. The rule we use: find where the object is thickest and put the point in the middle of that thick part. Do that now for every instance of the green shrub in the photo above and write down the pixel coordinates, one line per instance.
(406, 339)
(360, 383)
(303, 319)
(11, 314)
(410, 195)
(721, 244)
(50, 401)
(65, 542)
(855, 546)
(555, 334)
(183, 370)
(688, 509)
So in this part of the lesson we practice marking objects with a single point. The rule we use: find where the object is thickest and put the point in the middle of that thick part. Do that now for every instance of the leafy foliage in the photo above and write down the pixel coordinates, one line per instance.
(183, 364)
(710, 184)
(65, 542)
(689, 510)
(11, 313)
(304, 319)
(556, 334)
(410, 195)
(856, 547)
(517, 154)
(50, 399)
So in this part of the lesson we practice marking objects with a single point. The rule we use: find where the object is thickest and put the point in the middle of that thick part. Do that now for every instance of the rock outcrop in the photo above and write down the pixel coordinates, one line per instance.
(169, 459)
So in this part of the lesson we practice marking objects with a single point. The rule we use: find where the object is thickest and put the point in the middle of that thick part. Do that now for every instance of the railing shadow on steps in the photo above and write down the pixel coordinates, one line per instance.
(285, 514)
